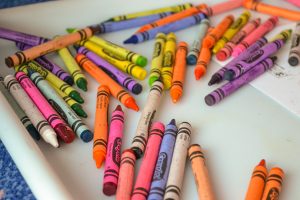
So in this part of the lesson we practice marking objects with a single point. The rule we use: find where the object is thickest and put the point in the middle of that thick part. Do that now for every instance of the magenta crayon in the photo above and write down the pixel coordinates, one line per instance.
(219, 75)
(230, 87)
(113, 155)
(255, 58)
(49, 65)
(226, 51)
(21, 37)
(143, 180)
(263, 29)
(56, 122)
(126, 175)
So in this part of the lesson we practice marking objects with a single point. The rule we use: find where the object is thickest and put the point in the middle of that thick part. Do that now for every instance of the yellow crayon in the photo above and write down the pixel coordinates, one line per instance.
(232, 30)
(168, 61)
(283, 35)
(73, 68)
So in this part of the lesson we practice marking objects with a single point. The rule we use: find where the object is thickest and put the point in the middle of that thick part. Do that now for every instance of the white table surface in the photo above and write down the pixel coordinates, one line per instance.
(235, 134)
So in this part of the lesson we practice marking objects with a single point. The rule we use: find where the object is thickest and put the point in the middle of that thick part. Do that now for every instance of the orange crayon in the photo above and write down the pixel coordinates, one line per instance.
(257, 182)
(202, 62)
(179, 72)
(22, 57)
(200, 172)
(210, 40)
(273, 184)
(272, 10)
(101, 125)
(115, 89)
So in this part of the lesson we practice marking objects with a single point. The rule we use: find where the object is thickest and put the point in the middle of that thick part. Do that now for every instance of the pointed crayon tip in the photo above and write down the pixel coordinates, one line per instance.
(99, 158)
(130, 103)
(119, 108)
(173, 122)
(132, 40)
(199, 72)
(262, 163)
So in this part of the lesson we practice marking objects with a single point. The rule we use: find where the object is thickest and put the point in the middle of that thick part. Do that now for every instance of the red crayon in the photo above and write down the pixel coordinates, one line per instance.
(113, 156)
(143, 181)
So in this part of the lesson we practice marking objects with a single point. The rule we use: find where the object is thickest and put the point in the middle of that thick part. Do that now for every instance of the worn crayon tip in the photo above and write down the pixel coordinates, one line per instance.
(109, 188)
(130, 103)
(78, 110)
(229, 75)
(69, 80)
(65, 133)
(76, 96)
(175, 95)
(99, 157)
(82, 84)
(199, 72)
(137, 88)
(119, 108)
(262, 163)
(132, 40)
(215, 79)
(173, 122)
(191, 59)
(86, 135)
(70, 30)
(152, 79)
(221, 55)
(141, 61)
(51, 138)
(137, 152)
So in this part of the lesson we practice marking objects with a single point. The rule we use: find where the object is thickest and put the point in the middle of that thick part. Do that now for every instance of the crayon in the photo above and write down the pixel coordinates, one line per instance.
(255, 58)
(273, 184)
(99, 75)
(21, 37)
(124, 65)
(62, 107)
(174, 184)
(219, 75)
(49, 65)
(56, 122)
(172, 18)
(157, 58)
(202, 62)
(73, 68)
(283, 35)
(71, 102)
(144, 177)
(118, 76)
(294, 55)
(33, 113)
(66, 88)
(141, 135)
(200, 172)
(263, 29)
(177, 8)
(179, 72)
(111, 26)
(227, 50)
(295, 2)
(211, 38)
(19, 111)
(230, 87)
(22, 57)
(273, 10)
(101, 125)
(168, 28)
(168, 60)
(197, 43)
(126, 175)
(257, 182)
(232, 30)
(163, 163)
(113, 157)
(222, 7)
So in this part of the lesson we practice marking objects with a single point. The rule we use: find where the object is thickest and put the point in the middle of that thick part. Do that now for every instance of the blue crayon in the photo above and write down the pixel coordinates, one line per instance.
(171, 27)
(111, 26)
(162, 168)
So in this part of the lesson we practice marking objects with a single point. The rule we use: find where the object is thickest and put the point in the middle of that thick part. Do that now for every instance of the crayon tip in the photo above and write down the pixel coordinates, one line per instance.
(69, 80)
(152, 79)
(82, 84)
(109, 188)
(118, 108)
(221, 55)
(191, 59)
(137, 152)
(65, 133)
(199, 72)
(229, 75)
(262, 163)
(141, 61)
(33, 132)
(51, 138)
(132, 40)
(137, 88)
(70, 30)
(86, 135)
(130, 103)
(175, 95)
(76, 96)
(293, 61)
(78, 110)
(173, 122)
(215, 79)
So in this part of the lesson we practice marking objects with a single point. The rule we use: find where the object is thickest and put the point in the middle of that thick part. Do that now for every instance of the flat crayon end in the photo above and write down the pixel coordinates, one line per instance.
(79, 111)
(141, 61)
(210, 100)
(262, 163)
(86, 136)
(33, 132)
(137, 152)
(199, 72)
(221, 56)
(76, 96)
(70, 30)
(65, 133)
(119, 108)
(152, 79)
(229, 75)
(82, 84)
(132, 40)
(130, 103)
(293, 61)
(109, 188)
(9, 62)
(99, 158)
(191, 60)
(69, 80)
(173, 122)
(137, 88)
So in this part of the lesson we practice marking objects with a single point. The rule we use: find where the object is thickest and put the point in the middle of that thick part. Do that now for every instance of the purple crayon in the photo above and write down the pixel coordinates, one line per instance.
(113, 156)
(47, 64)
(261, 54)
(171, 27)
(230, 87)
(111, 26)
(120, 77)
(21, 37)
(219, 75)
(163, 163)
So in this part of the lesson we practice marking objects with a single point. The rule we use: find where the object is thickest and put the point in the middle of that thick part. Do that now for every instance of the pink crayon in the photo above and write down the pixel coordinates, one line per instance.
(56, 122)
(143, 181)
(223, 7)
(295, 2)
(226, 51)
(113, 155)
(255, 35)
